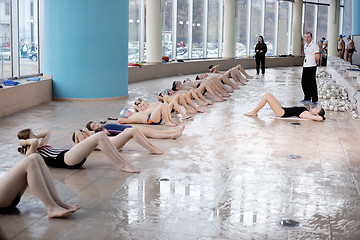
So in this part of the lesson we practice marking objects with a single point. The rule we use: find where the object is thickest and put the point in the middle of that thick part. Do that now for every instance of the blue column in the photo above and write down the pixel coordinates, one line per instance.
(86, 47)
(356, 17)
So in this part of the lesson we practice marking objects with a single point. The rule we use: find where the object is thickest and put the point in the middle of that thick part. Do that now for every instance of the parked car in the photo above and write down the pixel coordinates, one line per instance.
(33, 56)
(5, 54)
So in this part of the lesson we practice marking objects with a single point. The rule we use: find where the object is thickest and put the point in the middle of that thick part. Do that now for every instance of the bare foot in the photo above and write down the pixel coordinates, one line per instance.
(188, 118)
(203, 104)
(179, 133)
(190, 112)
(249, 77)
(156, 151)
(225, 95)
(199, 111)
(72, 208)
(219, 99)
(130, 168)
(58, 212)
(171, 124)
(250, 114)
(236, 87)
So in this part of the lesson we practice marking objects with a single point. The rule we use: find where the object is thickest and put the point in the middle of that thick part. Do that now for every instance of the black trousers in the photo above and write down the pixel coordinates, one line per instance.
(308, 83)
(260, 58)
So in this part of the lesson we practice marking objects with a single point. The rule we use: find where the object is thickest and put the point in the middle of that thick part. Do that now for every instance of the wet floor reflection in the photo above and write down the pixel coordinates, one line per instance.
(227, 177)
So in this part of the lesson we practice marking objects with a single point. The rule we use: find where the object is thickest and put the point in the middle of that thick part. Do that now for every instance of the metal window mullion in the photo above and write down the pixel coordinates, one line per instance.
(205, 30)
(263, 18)
(14, 16)
(277, 6)
(248, 28)
(174, 28)
(190, 27)
(38, 33)
(220, 38)
(303, 19)
(290, 16)
(142, 31)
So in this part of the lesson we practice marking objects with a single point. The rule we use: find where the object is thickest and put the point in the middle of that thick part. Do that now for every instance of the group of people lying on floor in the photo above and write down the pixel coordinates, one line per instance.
(33, 172)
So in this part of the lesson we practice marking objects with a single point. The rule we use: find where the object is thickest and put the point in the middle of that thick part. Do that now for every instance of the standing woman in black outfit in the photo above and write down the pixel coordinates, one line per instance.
(260, 51)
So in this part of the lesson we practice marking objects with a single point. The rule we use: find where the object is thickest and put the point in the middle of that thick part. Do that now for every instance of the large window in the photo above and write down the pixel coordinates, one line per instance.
(347, 21)
(309, 18)
(322, 22)
(5, 39)
(283, 29)
(182, 30)
(198, 29)
(193, 29)
(213, 43)
(134, 29)
(167, 29)
(241, 27)
(28, 37)
(270, 26)
(256, 23)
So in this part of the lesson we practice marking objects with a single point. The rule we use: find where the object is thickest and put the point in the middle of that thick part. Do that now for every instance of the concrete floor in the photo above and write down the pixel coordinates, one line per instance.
(227, 177)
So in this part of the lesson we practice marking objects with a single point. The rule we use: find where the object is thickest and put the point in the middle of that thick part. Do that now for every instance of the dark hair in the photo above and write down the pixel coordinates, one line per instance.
(23, 134)
(323, 38)
(174, 86)
(160, 94)
(211, 66)
(322, 113)
(262, 38)
(197, 77)
(309, 33)
(73, 136)
(349, 37)
(88, 126)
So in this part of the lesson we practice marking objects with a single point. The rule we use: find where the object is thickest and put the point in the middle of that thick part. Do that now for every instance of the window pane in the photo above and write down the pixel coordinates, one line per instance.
(198, 29)
(322, 22)
(167, 29)
(283, 33)
(28, 37)
(134, 29)
(256, 12)
(241, 29)
(269, 35)
(182, 30)
(213, 29)
(347, 20)
(309, 18)
(5, 37)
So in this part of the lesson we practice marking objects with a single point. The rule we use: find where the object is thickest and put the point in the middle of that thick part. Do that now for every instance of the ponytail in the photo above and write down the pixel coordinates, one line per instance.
(22, 150)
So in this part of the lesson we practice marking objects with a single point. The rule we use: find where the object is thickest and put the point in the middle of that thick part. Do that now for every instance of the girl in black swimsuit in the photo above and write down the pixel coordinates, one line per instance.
(33, 172)
(73, 157)
(316, 114)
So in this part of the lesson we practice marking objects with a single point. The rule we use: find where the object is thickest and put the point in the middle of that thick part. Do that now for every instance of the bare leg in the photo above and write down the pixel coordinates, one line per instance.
(242, 70)
(163, 112)
(204, 86)
(236, 75)
(183, 102)
(191, 103)
(28, 172)
(161, 133)
(121, 139)
(199, 98)
(272, 101)
(218, 87)
(83, 149)
(227, 81)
